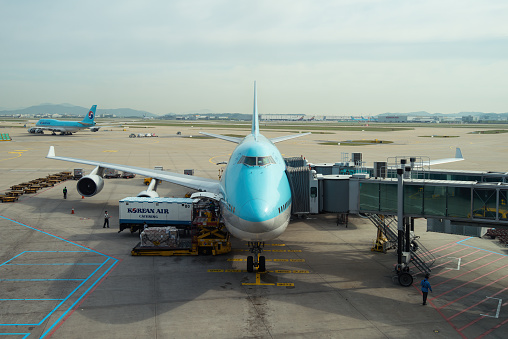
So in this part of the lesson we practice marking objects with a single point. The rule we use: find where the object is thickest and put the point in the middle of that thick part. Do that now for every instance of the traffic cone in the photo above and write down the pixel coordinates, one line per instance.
(72, 211)
(82, 197)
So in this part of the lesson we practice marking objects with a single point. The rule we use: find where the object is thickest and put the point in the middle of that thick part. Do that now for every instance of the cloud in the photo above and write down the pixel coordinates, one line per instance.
(164, 56)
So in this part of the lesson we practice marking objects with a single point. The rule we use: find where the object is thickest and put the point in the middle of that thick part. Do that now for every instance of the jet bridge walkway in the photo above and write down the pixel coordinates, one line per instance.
(469, 202)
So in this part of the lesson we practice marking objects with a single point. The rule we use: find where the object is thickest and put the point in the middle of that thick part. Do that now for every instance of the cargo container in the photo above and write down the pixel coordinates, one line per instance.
(134, 212)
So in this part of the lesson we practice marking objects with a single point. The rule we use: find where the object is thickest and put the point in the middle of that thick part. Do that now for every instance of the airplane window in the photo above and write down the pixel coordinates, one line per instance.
(256, 161)
(250, 161)
(263, 161)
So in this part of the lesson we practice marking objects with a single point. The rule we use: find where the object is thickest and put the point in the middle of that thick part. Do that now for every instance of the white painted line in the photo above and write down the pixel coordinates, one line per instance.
(498, 308)
(458, 264)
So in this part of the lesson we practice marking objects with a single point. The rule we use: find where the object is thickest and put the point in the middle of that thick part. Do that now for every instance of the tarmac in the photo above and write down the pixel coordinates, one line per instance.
(63, 275)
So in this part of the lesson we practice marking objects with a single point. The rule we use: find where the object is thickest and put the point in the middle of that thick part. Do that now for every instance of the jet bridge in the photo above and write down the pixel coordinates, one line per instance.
(461, 202)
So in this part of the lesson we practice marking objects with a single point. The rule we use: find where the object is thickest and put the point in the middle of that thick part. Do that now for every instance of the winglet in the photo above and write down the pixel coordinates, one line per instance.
(51, 152)
(255, 118)
(458, 153)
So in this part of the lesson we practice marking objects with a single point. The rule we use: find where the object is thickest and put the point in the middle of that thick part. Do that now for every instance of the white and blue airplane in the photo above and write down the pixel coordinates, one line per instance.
(66, 127)
(254, 192)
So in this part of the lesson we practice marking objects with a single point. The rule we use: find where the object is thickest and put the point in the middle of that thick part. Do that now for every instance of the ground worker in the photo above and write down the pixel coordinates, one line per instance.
(65, 192)
(425, 284)
(106, 219)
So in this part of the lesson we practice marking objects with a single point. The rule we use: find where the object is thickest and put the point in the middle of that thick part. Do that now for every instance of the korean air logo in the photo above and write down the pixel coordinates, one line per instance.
(90, 115)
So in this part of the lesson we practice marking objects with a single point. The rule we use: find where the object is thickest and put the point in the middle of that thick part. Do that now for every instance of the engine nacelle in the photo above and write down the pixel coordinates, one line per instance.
(90, 185)
(148, 194)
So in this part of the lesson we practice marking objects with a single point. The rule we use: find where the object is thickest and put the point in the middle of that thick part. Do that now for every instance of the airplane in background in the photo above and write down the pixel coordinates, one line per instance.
(66, 127)
(253, 193)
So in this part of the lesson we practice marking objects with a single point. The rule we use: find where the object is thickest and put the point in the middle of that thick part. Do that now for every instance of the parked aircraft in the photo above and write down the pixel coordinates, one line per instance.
(66, 127)
(254, 192)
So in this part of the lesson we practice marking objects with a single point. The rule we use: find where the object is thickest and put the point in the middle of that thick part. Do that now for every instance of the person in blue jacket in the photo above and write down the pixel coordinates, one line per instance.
(425, 284)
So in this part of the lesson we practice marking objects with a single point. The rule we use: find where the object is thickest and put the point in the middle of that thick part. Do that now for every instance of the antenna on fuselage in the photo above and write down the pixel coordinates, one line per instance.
(255, 118)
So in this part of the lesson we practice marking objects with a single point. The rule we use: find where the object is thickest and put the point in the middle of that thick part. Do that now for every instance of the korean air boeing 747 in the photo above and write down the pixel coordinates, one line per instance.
(254, 192)
(66, 127)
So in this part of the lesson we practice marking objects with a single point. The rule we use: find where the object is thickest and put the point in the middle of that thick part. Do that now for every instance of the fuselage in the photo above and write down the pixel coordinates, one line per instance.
(256, 203)
(62, 126)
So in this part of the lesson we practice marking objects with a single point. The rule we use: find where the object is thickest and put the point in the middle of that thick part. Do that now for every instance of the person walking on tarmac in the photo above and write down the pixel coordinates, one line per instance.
(106, 219)
(65, 192)
(425, 285)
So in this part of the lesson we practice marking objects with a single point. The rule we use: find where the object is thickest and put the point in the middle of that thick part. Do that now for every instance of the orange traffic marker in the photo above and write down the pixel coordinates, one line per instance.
(72, 211)
(82, 197)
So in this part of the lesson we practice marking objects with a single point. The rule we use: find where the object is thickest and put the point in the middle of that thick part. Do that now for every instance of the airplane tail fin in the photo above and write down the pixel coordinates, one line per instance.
(90, 116)
(255, 116)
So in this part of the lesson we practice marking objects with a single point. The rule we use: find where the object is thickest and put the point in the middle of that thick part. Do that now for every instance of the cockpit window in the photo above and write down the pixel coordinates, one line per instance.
(256, 161)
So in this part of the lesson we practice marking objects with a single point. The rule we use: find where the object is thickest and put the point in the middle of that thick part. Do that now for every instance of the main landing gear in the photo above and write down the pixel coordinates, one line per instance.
(257, 260)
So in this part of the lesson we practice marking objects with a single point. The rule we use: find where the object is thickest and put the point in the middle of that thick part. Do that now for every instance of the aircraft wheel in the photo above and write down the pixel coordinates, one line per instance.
(405, 279)
(250, 264)
(262, 266)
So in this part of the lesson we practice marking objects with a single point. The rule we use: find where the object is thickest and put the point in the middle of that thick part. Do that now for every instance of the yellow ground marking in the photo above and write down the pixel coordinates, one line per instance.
(110, 151)
(294, 250)
(258, 281)
(285, 284)
(19, 154)
(300, 271)
(216, 270)
(297, 260)
(272, 245)
(236, 259)
(235, 271)
(20, 150)
(214, 162)
(282, 271)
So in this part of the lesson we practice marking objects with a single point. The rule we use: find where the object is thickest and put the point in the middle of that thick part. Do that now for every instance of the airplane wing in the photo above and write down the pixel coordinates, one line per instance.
(458, 157)
(287, 137)
(190, 181)
(224, 137)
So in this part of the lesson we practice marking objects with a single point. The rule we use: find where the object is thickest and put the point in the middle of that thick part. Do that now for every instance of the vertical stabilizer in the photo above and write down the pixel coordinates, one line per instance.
(255, 117)
(90, 116)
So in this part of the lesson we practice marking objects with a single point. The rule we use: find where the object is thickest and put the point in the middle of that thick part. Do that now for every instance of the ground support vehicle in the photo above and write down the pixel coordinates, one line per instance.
(128, 175)
(78, 173)
(134, 212)
(206, 235)
(111, 173)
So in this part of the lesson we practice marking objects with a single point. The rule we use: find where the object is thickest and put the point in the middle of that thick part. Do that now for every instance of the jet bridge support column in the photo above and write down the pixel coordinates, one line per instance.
(400, 215)
(402, 268)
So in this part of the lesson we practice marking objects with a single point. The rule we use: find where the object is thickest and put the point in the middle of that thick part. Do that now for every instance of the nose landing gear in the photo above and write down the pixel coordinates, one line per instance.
(257, 260)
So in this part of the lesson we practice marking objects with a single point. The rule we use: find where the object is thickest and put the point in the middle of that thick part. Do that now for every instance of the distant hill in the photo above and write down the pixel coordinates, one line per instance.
(68, 109)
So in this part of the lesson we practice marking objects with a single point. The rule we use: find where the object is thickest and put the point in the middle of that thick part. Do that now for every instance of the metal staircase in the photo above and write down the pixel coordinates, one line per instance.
(421, 258)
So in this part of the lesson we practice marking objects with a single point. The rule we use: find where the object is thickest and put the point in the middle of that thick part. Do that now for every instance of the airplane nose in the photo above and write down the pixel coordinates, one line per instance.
(256, 210)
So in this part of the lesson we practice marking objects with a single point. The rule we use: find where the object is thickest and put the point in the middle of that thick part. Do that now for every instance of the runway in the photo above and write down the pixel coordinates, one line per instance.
(63, 276)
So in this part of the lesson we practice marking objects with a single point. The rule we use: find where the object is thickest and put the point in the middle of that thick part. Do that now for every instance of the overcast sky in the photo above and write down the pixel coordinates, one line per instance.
(341, 57)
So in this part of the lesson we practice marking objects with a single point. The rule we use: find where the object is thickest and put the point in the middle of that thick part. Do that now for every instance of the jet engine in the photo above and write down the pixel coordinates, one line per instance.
(90, 185)
(148, 194)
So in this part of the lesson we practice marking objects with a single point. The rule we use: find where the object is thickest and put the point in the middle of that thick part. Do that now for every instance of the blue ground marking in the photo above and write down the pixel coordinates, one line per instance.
(478, 248)
(25, 334)
(108, 264)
